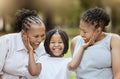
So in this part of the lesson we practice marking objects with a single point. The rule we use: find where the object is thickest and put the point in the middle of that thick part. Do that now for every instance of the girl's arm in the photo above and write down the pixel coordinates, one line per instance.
(115, 49)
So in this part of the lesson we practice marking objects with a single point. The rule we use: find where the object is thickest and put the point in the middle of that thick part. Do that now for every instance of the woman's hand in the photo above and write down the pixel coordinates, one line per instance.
(29, 47)
(27, 43)
(92, 40)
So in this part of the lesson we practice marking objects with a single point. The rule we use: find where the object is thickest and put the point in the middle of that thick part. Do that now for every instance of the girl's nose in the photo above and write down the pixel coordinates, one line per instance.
(56, 44)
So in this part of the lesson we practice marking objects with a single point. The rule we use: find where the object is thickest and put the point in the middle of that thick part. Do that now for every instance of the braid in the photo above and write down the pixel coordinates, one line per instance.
(96, 16)
(25, 17)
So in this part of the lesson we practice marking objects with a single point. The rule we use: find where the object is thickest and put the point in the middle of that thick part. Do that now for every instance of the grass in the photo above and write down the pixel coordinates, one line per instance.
(72, 76)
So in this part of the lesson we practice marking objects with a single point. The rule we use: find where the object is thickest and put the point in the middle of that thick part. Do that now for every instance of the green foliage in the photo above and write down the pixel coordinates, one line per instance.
(71, 31)
(86, 4)
(72, 76)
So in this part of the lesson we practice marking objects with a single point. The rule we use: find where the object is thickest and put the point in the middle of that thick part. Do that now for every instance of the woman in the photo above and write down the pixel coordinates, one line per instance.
(101, 60)
(14, 53)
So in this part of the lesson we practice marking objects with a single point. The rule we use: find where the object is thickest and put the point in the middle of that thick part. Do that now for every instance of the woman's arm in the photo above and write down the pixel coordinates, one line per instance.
(115, 49)
(34, 68)
(73, 43)
(4, 48)
(74, 63)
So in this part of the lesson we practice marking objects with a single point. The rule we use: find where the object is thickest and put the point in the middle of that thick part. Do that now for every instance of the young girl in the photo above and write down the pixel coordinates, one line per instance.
(55, 66)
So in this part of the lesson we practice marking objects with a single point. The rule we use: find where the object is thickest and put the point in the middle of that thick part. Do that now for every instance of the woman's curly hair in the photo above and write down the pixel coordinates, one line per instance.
(97, 17)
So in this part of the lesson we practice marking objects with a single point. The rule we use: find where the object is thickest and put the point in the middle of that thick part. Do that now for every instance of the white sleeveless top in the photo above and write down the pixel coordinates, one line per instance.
(96, 60)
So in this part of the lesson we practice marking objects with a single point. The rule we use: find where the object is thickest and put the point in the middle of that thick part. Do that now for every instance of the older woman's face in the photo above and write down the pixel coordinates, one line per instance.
(36, 34)
(86, 30)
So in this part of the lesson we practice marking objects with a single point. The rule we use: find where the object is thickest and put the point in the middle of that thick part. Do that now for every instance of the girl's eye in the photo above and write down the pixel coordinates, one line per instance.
(60, 42)
(52, 42)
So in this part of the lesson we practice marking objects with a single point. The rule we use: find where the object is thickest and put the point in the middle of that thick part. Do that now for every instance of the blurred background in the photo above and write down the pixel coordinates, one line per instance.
(64, 14)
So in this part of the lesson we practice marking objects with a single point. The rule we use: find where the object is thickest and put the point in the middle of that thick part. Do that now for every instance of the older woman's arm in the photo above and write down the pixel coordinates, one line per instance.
(115, 49)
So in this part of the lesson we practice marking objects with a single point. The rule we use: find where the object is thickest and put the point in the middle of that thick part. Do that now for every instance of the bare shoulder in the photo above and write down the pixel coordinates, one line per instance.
(115, 40)
(115, 50)
(73, 43)
(115, 37)
(74, 40)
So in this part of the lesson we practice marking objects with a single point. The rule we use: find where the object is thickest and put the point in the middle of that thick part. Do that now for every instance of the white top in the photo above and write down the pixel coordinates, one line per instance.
(54, 67)
(14, 57)
(96, 60)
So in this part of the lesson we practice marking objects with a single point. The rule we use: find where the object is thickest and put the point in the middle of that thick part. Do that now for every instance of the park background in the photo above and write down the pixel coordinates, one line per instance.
(64, 14)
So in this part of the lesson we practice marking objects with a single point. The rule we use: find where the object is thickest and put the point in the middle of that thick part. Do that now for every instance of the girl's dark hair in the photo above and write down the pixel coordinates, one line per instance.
(25, 17)
(64, 37)
(96, 16)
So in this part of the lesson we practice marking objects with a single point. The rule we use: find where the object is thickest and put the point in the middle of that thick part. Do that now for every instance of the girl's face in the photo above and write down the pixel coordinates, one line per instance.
(87, 30)
(35, 34)
(56, 45)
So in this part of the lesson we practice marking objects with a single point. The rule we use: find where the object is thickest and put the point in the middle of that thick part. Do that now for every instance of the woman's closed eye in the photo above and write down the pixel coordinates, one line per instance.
(36, 36)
